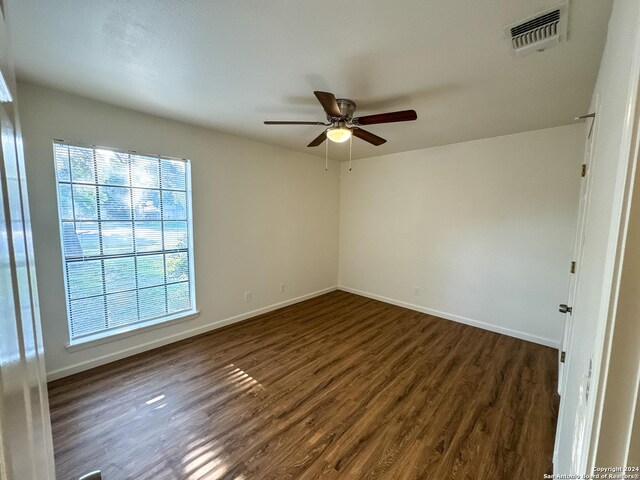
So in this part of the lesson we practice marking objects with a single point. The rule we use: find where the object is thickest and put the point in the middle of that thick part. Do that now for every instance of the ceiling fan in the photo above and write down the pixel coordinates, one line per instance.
(342, 124)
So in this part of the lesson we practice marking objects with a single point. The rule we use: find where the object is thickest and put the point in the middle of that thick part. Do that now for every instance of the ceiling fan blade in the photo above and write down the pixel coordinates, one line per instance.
(328, 102)
(367, 136)
(402, 116)
(318, 140)
(278, 122)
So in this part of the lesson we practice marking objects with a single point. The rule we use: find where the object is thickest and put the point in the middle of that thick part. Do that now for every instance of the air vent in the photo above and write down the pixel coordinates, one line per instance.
(539, 32)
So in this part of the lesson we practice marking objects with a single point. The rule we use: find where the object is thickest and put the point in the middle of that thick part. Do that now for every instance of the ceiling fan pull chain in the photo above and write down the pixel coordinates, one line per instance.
(326, 157)
(350, 142)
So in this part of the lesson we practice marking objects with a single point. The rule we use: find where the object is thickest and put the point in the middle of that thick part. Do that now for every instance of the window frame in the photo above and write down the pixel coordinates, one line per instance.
(93, 338)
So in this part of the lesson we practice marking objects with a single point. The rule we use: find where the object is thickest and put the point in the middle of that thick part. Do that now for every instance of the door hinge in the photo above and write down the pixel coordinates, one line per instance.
(583, 170)
(563, 357)
(573, 267)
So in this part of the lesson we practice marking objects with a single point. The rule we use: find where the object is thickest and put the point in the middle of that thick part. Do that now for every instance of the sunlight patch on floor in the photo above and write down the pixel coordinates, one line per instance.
(154, 401)
(243, 378)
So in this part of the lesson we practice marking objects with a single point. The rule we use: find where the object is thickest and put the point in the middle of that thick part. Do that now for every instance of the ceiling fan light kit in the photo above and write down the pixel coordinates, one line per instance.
(343, 125)
(339, 134)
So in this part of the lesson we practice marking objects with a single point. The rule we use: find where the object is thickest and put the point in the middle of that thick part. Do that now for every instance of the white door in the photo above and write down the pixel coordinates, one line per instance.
(26, 452)
(563, 353)
(566, 347)
(581, 329)
(606, 200)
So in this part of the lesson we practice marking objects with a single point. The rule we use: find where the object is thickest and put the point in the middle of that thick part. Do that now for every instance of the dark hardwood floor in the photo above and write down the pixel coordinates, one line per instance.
(339, 386)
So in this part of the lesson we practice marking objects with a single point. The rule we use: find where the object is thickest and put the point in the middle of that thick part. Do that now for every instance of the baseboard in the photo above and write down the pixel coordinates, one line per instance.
(457, 318)
(127, 352)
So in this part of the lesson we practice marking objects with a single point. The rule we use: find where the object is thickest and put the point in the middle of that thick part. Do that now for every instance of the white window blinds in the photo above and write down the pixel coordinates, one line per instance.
(125, 224)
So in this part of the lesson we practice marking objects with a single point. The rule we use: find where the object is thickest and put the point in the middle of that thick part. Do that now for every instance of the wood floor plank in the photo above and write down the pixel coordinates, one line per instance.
(339, 386)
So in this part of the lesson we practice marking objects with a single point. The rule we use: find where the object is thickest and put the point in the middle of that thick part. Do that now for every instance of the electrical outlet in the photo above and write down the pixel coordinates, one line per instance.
(283, 287)
(248, 296)
(416, 291)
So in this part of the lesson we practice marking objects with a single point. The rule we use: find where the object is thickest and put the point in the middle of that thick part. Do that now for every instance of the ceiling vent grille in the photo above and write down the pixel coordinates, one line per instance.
(540, 32)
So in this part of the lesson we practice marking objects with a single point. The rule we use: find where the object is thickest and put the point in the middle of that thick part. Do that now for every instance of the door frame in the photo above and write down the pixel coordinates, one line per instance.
(26, 449)
(629, 142)
(587, 448)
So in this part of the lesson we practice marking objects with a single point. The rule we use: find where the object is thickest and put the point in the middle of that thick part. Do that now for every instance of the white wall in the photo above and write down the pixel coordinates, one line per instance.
(484, 229)
(262, 216)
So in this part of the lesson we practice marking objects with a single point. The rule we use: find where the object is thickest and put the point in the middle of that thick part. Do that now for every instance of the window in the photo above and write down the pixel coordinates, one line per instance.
(125, 225)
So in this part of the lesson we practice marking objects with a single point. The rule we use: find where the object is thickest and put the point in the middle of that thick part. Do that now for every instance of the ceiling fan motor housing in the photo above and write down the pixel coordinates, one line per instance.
(347, 108)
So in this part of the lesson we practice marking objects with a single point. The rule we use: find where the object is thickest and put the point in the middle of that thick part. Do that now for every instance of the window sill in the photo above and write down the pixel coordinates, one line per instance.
(128, 331)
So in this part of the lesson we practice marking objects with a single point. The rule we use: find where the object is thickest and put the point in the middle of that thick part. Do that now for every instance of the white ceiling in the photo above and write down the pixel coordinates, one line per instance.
(229, 65)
